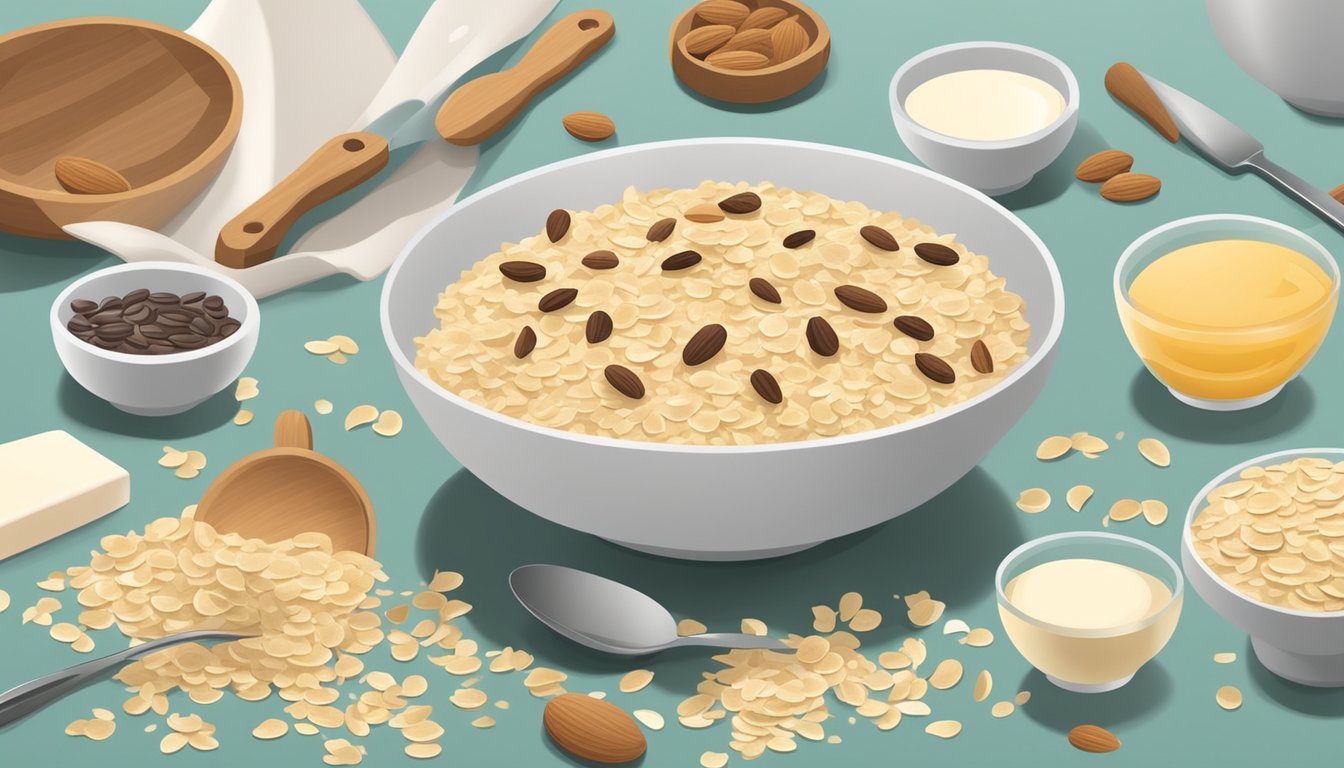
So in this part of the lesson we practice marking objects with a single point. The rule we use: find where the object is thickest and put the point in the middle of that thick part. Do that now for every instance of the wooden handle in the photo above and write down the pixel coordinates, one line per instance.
(292, 430)
(1129, 88)
(341, 164)
(474, 112)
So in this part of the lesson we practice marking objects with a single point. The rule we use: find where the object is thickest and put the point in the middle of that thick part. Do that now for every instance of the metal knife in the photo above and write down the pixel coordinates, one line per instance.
(1236, 150)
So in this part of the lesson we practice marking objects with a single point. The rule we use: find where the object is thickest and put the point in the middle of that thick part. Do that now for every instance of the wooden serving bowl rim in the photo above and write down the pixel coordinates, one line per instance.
(819, 44)
(212, 151)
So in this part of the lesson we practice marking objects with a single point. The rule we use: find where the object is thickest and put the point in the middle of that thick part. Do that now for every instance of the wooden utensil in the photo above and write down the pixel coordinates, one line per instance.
(348, 160)
(155, 104)
(280, 492)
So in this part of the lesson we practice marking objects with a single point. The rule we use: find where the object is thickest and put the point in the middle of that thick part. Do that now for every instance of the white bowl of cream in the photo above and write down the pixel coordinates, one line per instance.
(988, 114)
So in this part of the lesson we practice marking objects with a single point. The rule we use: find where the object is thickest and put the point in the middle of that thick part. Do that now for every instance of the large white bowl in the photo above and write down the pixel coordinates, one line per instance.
(1304, 647)
(156, 385)
(712, 502)
(1290, 46)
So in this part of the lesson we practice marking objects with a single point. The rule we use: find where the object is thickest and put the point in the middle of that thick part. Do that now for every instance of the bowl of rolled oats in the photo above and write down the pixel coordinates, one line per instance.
(723, 348)
(1264, 546)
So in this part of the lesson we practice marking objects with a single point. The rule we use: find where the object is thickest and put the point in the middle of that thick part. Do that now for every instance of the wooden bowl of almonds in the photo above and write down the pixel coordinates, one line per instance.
(751, 51)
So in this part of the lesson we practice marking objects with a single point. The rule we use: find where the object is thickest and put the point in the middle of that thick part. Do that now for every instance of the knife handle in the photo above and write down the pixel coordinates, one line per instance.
(339, 165)
(474, 112)
(1127, 85)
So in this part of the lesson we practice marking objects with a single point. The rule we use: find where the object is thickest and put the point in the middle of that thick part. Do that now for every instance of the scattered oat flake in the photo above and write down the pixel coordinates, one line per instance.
(1125, 509)
(984, 684)
(320, 347)
(823, 618)
(337, 358)
(955, 626)
(597, 694)
(445, 581)
(946, 674)
(1053, 447)
(926, 612)
(713, 759)
(4, 600)
(246, 389)
(484, 721)
(323, 407)
(423, 751)
(1224, 658)
(978, 638)
(943, 729)
(271, 728)
(1033, 500)
(1022, 698)
(468, 698)
(243, 417)
(344, 344)
(389, 424)
(359, 416)
(1089, 445)
(307, 729)
(1077, 496)
(1002, 709)
(690, 627)
(749, 627)
(1154, 511)
(172, 458)
(651, 720)
(1228, 697)
(865, 620)
(1155, 451)
(635, 680)
(850, 603)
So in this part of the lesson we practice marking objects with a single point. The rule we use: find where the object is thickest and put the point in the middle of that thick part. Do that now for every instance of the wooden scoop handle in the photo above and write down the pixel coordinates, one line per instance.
(475, 111)
(1129, 88)
(341, 164)
(292, 430)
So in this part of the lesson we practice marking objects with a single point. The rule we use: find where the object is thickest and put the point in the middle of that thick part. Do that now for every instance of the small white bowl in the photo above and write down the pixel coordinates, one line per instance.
(1301, 646)
(993, 167)
(156, 385)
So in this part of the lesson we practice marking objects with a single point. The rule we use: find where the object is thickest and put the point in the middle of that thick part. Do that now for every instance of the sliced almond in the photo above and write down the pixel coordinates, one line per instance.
(1053, 447)
(1033, 500)
(359, 416)
(1077, 496)
(1155, 451)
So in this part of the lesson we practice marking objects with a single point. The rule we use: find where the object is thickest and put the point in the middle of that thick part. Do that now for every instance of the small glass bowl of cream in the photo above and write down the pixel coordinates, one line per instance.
(990, 115)
(1089, 609)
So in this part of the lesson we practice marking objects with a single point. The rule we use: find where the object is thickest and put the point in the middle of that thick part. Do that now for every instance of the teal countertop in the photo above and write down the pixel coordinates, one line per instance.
(432, 515)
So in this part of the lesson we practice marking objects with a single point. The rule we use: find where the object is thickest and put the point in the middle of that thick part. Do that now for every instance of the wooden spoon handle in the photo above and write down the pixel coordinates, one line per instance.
(475, 111)
(292, 430)
(341, 164)
(1129, 88)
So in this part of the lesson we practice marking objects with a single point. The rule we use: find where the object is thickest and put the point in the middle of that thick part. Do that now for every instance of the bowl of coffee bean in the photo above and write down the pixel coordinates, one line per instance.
(155, 338)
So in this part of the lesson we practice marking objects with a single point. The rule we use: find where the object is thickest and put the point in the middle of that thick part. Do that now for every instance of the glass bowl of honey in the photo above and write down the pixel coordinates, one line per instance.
(1226, 309)
(1088, 609)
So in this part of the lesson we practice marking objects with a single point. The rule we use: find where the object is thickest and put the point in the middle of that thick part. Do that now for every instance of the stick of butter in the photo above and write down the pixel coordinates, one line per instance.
(51, 484)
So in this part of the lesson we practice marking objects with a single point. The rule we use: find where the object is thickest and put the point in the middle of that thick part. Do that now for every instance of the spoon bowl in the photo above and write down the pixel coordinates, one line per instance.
(281, 492)
(609, 616)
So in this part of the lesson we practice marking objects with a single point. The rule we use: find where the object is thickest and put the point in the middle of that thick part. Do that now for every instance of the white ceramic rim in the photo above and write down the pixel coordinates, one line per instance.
(249, 324)
(1122, 295)
(1047, 343)
(1197, 505)
(1176, 594)
(1071, 99)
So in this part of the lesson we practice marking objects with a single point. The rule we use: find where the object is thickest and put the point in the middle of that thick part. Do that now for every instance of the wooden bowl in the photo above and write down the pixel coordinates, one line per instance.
(151, 102)
(755, 85)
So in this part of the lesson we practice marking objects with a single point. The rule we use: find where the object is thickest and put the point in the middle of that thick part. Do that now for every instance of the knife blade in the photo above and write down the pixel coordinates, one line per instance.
(1222, 141)
(447, 43)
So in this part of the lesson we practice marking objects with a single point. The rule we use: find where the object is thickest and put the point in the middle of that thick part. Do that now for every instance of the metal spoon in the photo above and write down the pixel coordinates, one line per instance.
(25, 699)
(609, 616)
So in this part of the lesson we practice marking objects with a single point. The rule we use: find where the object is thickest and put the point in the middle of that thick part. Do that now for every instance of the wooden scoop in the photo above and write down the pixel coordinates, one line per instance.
(290, 489)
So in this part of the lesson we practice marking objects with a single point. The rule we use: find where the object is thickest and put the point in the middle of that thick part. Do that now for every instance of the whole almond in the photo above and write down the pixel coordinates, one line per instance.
(680, 260)
(788, 39)
(704, 345)
(821, 337)
(625, 381)
(1103, 165)
(702, 41)
(915, 327)
(757, 40)
(661, 230)
(742, 202)
(557, 224)
(601, 260)
(737, 60)
(704, 213)
(588, 126)
(1093, 738)
(860, 299)
(764, 290)
(879, 237)
(1129, 86)
(937, 254)
(766, 386)
(800, 238)
(1130, 187)
(598, 328)
(592, 729)
(935, 368)
(525, 343)
(764, 17)
(981, 360)
(722, 12)
(82, 176)
(522, 271)
(557, 299)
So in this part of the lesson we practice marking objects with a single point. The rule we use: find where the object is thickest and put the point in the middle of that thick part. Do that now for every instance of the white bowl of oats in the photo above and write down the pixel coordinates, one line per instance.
(1263, 544)
(726, 369)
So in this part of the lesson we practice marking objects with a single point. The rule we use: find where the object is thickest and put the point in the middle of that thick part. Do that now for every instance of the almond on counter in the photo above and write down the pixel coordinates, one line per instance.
(593, 729)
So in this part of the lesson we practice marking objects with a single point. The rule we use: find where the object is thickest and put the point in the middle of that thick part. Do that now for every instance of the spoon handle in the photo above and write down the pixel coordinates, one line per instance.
(733, 640)
(23, 700)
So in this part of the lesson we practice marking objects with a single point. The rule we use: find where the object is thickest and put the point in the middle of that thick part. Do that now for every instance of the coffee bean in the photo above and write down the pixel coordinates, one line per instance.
(213, 302)
(193, 297)
(162, 297)
(83, 307)
(108, 344)
(141, 313)
(175, 317)
(227, 328)
(135, 342)
(202, 326)
(158, 323)
(153, 331)
(109, 303)
(106, 316)
(114, 331)
(135, 297)
(187, 340)
(79, 324)
(216, 314)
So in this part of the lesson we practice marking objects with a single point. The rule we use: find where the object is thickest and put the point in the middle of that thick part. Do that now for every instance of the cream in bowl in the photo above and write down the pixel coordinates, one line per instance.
(988, 114)
(1224, 310)
(1088, 609)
